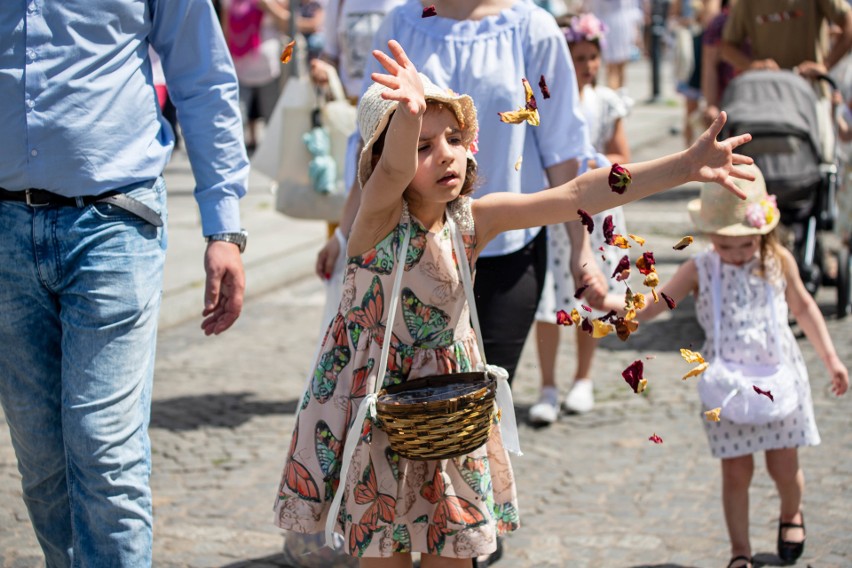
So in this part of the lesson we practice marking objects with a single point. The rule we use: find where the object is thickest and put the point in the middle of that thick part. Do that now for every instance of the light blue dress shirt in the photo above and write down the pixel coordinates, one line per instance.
(79, 111)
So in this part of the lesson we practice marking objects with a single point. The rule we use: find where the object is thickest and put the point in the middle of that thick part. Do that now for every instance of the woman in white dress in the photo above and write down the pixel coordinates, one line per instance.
(603, 110)
(621, 20)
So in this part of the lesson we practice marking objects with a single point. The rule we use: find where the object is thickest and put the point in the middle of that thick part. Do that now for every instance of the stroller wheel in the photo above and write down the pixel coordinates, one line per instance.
(844, 282)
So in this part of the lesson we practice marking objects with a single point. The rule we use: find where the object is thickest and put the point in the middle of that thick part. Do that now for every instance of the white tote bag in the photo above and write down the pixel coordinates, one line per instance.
(283, 156)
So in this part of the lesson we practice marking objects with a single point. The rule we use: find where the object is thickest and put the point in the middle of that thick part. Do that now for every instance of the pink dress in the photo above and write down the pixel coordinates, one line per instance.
(452, 508)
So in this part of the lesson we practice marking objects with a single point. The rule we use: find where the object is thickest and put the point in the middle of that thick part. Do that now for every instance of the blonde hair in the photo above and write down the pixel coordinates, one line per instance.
(772, 265)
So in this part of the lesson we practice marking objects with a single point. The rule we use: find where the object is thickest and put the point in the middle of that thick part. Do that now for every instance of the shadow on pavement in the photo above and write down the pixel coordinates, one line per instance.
(225, 410)
(274, 561)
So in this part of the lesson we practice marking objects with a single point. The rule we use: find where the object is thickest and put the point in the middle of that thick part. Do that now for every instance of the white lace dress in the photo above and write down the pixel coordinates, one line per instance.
(746, 325)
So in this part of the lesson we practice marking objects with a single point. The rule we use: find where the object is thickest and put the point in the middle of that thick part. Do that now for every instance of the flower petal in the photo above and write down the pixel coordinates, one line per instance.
(287, 54)
(586, 220)
(620, 242)
(619, 178)
(545, 92)
(767, 394)
(562, 318)
(601, 329)
(713, 415)
(578, 293)
(608, 228)
(639, 240)
(656, 439)
(518, 163)
(695, 371)
(633, 376)
(652, 280)
(623, 264)
(429, 11)
(683, 243)
(669, 300)
(646, 263)
(691, 356)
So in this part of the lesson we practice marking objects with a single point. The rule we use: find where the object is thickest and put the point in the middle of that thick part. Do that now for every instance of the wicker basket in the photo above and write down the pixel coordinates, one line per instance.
(438, 417)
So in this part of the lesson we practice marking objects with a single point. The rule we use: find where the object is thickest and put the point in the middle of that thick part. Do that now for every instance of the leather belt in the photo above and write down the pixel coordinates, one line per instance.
(44, 198)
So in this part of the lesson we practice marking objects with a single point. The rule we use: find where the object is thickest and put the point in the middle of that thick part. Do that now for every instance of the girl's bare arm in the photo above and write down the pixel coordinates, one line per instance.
(810, 319)
(706, 160)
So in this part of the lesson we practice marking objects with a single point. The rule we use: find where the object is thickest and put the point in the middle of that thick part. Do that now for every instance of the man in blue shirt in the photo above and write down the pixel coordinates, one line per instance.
(82, 244)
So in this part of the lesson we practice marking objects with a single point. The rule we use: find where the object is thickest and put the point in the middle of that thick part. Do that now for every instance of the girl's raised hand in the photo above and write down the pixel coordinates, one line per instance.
(402, 79)
(713, 160)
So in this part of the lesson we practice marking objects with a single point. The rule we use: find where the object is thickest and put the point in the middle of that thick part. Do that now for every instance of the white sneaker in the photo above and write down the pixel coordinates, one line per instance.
(581, 397)
(544, 413)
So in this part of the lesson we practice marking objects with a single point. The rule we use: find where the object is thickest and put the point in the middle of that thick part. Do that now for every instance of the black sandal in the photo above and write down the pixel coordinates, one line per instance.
(789, 551)
(739, 558)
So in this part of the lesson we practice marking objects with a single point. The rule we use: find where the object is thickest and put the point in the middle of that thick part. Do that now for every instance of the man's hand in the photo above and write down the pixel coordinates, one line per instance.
(226, 284)
(810, 69)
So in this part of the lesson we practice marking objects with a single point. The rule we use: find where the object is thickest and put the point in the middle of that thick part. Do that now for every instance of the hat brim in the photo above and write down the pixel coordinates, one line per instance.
(734, 230)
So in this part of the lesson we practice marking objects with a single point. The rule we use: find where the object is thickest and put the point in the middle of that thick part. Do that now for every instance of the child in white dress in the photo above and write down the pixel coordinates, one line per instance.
(744, 286)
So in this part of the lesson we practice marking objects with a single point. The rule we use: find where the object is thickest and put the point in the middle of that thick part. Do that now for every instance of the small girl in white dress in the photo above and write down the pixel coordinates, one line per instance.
(756, 281)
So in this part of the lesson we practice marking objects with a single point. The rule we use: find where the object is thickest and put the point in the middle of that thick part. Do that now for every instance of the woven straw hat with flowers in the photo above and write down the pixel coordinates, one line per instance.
(374, 112)
(717, 211)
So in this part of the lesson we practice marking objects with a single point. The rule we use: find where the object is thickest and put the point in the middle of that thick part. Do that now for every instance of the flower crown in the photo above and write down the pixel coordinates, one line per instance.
(584, 28)
(761, 213)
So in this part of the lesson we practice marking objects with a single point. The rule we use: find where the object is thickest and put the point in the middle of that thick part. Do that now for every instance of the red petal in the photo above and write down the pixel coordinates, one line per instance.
(669, 301)
(585, 307)
(767, 394)
(656, 439)
(562, 318)
(623, 264)
(608, 229)
(646, 262)
(545, 92)
(633, 374)
(287, 54)
(578, 293)
(586, 220)
(429, 11)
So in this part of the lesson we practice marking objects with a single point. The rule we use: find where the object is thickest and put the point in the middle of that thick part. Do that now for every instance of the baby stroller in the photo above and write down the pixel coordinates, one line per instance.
(793, 144)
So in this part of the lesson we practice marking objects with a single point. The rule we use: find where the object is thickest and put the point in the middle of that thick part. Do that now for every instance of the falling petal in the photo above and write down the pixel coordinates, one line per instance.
(585, 307)
(562, 318)
(429, 11)
(649, 357)
(656, 439)
(287, 54)
(623, 264)
(601, 329)
(619, 178)
(638, 300)
(656, 296)
(620, 242)
(578, 293)
(646, 263)
(608, 229)
(587, 326)
(530, 97)
(610, 317)
(695, 371)
(518, 163)
(713, 415)
(586, 220)
(683, 243)
(669, 300)
(519, 116)
(624, 327)
(575, 316)
(652, 280)
(633, 376)
(545, 92)
(691, 356)
(767, 394)
(639, 240)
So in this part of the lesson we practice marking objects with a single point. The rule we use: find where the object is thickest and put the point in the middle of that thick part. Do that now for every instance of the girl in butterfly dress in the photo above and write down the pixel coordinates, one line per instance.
(756, 281)
(416, 171)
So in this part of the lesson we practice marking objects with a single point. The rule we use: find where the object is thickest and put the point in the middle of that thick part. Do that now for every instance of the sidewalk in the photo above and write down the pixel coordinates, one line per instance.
(593, 490)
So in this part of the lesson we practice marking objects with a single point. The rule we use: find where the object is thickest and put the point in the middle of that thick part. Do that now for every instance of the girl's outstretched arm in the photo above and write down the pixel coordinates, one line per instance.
(381, 196)
(707, 160)
(810, 319)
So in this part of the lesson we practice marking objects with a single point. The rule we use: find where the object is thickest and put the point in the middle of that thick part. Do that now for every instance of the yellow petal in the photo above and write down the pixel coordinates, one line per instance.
(691, 356)
(575, 316)
(639, 301)
(620, 242)
(520, 115)
(713, 415)
(652, 281)
(518, 163)
(601, 329)
(630, 315)
(641, 386)
(695, 371)
(656, 296)
(528, 89)
(639, 240)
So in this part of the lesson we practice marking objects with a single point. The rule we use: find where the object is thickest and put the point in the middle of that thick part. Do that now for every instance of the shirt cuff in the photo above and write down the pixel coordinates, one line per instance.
(220, 216)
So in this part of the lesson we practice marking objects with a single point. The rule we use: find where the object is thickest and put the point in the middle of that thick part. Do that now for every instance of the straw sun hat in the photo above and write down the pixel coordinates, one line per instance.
(374, 112)
(718, 211)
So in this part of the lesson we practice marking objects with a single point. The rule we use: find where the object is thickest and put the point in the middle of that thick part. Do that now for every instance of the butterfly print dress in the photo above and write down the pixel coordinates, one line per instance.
(452, 508)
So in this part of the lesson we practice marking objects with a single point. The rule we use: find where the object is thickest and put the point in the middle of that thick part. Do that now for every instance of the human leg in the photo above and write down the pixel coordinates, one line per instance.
(30, 388)
(546, 410)
(432, 561)
(581, 397)
(396, 560)
(507, 291)
(109, 293)
(615, 75)
(783, 467)
(736, 479)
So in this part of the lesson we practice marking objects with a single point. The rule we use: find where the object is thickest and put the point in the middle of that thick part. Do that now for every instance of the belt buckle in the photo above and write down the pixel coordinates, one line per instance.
(28, 194)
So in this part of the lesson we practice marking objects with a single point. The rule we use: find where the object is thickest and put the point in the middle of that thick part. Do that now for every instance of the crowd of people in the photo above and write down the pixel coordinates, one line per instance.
(530, 204)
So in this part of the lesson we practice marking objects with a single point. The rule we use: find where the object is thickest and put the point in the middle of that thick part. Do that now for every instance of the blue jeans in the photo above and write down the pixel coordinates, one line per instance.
(80, 292)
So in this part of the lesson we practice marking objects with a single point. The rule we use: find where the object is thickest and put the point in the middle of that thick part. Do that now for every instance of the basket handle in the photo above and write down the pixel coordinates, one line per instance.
(508, 424)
